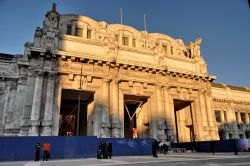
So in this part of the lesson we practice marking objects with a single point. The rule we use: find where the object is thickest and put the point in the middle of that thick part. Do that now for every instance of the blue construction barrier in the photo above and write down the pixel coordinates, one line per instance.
(244, 145)
(23, 148)
(239, 145)
(129, 147)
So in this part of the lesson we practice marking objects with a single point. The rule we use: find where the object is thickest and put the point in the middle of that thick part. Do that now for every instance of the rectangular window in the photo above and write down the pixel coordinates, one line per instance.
(78, 32)
(88, 34)
(69, 29)
(217, 116)
(243, 117)
(133, 43)
(125, 41)
(172, 50)
(117, 38)
(165, 49)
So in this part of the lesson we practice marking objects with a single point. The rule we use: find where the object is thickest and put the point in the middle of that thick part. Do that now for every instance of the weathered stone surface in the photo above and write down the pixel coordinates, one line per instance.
(114, 66)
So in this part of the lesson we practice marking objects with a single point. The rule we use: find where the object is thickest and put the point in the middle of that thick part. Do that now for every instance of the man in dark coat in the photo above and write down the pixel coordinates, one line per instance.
(110, 150)
(38, 149)
(154, 148)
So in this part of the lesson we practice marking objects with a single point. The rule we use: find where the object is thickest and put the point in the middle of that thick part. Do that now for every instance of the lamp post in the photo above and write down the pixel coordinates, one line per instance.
(111, 126)
(79, 105)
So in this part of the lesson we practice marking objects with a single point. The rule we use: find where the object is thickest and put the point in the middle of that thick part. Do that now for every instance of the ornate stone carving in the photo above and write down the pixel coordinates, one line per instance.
(51, 19)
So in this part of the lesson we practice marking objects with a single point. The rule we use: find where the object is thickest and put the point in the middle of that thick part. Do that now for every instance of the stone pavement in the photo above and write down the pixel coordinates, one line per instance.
(172, 159)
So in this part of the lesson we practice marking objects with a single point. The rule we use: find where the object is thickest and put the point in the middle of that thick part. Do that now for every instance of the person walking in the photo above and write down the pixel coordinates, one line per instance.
(46, 149)
(110, 150)
(38, 149)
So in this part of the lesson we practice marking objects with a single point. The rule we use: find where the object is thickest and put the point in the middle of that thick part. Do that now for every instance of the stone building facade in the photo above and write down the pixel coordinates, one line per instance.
(84, 77)
(232, 111)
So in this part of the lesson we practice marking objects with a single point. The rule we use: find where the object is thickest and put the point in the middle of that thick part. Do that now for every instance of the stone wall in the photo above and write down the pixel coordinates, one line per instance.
(232, 105)
(116, 63)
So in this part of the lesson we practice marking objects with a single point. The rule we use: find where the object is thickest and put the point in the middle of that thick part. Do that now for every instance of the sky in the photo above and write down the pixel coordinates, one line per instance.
(223, 25)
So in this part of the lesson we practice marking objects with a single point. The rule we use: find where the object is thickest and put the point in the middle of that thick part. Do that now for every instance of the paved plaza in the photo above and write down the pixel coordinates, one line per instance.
(172, 159)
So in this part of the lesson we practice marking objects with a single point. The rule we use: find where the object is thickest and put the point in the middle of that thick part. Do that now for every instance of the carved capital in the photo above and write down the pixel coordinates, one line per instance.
(71, 76)
(39, 73)
(115, 82)
(106, 80)
(130, 83)
(52, 75)
(201, 92)
(166, 87)
(159, 86)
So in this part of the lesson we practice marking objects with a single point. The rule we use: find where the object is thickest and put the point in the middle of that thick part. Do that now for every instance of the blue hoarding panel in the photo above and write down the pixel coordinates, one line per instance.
(126, 146)
(23, 148)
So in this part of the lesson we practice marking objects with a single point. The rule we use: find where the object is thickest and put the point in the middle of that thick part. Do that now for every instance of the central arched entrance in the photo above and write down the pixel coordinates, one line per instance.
(136, 116)
(184, 121)
(71, 102)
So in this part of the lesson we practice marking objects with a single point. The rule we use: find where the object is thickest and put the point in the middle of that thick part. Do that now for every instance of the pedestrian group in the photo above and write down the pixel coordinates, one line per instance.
(46, 150)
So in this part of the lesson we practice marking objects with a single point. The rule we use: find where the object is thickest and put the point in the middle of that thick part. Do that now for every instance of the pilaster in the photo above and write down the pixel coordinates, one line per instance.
(47, 118)
(160, 113)
(105, 108)
(114, 108)
(203, 109)
(247, 117)
(209, 110)
(36, 104)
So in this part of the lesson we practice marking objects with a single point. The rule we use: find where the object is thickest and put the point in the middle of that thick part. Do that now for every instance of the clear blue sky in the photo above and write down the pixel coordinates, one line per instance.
(223, 25)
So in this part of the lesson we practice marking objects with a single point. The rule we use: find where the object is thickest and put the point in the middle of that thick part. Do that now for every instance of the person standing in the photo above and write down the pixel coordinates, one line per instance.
(235, 147)
(46, 149)
(110, 150)
(154, 148)
(38, 149)
(212, 147)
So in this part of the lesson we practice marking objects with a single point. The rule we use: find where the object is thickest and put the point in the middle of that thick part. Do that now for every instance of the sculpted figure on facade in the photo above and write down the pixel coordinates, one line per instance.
(112, 46)
(145, 61)
(52, 19)
(102, 26)
(194, 47)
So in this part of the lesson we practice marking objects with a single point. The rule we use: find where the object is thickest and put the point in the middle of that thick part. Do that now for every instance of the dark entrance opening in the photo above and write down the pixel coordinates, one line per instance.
(184, 121)
(221, 134)
(68, 113)
(132, 109)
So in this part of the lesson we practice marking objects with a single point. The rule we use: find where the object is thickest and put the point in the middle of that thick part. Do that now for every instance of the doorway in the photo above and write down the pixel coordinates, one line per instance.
(184, 121)
(135, 117)
(71, 102)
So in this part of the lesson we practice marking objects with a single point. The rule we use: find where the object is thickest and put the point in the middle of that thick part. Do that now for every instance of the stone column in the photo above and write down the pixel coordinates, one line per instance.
(203, 109)
(209, 110)
(49, 101)
(168, 112)
(222, 117)
(247, 117)
(238, 118)
(114, 109)
(172, 130)
(161, 117)
(105, 108)
(36, 105)
(197, 120)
